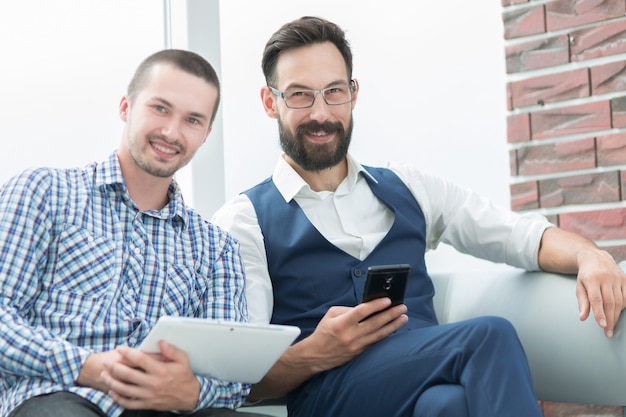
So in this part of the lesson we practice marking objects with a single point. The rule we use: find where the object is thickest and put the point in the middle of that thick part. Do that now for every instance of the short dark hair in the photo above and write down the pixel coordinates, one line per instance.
(304, 31)
(186, 61)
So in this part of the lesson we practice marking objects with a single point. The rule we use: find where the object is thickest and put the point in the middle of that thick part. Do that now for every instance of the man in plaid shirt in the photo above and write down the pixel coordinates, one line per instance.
(92, 257)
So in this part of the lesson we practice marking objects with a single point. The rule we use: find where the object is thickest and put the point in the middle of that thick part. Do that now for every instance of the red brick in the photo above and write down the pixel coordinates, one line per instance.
(597, 225)
(561, 14)
(619, 254)
(608, 78)
(532, 55)
(550, 88)
(511, 2)
(524, 22)
(559, 157)
(551, 409)
(611, 149)
(580, 189)
(518, 128)
(524, 196)
(618, 112)
(571, 120)
(600, 41)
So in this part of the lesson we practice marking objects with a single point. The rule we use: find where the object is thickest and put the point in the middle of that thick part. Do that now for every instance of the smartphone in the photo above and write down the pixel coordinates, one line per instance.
(386, 281)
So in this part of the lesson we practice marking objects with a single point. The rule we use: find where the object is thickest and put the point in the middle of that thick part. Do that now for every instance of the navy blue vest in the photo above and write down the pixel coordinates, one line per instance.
(309, 274)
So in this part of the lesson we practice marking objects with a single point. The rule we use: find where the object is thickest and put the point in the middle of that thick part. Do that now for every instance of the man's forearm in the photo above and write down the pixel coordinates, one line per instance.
(560, 250)
(289, 372)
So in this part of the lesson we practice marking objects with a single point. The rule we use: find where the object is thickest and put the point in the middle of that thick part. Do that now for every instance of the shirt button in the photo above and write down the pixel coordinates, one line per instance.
(357, 272)
(137, 251)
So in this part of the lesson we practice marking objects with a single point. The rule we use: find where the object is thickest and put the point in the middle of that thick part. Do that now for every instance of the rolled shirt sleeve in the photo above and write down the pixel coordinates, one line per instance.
(472, 224)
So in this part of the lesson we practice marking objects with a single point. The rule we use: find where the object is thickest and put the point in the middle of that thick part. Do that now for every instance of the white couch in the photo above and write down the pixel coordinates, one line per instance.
(571, 361)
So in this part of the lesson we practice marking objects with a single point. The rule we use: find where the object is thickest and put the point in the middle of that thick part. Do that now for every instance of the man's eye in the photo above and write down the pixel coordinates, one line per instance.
(160, 109)
(193, 121)
(335, 90)
(299, 93)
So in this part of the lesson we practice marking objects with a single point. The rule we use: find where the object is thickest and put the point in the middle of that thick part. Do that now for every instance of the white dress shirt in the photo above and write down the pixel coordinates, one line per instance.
(355, 220)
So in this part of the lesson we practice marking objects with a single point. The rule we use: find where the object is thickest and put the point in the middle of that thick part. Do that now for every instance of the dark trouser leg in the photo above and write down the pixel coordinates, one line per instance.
(483, 355)
(207, 412)
(67, 404)
(442, 401)
(57, 404)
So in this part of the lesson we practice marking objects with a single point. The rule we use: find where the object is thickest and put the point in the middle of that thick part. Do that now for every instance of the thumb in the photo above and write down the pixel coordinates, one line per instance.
(172, 353)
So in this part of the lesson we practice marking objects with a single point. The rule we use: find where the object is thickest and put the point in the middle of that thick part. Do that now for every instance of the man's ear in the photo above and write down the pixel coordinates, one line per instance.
(124, 108)
(269, 102)
(355, 93)
(207, 134)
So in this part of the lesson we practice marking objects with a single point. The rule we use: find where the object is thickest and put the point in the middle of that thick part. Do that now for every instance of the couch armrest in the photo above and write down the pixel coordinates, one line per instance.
(571, 361)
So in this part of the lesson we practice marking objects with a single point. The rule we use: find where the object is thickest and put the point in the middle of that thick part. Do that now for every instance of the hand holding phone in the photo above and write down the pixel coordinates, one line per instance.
(386, 281)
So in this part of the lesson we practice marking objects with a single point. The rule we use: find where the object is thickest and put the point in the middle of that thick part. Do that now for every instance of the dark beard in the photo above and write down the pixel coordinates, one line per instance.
(316, 157)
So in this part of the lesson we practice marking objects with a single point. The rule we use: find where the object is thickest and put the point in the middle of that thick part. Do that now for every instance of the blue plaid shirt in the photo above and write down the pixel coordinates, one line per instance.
(83, 270)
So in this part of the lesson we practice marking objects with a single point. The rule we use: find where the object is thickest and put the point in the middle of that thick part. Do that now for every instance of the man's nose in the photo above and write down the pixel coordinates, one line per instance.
(171, 128)
(319, 110)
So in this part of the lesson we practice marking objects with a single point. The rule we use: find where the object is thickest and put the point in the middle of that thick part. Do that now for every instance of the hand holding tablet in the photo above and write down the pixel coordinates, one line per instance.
(226, 350)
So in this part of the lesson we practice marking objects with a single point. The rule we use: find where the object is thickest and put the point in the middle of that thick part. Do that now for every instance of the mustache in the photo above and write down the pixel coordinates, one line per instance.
(313, 126)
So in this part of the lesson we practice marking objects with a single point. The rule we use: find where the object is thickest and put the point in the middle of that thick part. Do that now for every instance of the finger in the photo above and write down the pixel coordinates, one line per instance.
(583, 301)
(337, 311)
(172, 353)
(129, 403)
(620, 302)
(364, 310)
(124, 351)
(609, 303)
(381, 318)
(597, 301)
(388, 328)
(137, 358)
(142, 365)
(383, 323)
(118, 384)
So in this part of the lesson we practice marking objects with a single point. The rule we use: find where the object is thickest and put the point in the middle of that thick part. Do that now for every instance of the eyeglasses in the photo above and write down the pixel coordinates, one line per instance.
(301, 99)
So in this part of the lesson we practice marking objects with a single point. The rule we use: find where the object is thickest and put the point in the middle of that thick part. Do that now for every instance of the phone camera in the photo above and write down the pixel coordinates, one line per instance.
(387, 283)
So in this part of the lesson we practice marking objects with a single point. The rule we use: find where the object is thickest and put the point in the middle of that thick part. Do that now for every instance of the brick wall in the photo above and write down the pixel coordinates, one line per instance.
(566, 87)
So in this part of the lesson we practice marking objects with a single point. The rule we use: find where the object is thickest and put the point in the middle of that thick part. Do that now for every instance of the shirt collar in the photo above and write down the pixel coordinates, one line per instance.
(109, 175)
(109, 172)
(290, 183)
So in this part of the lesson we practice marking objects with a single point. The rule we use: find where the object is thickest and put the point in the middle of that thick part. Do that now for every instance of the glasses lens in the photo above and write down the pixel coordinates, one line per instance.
(337, 95)
(300, 99)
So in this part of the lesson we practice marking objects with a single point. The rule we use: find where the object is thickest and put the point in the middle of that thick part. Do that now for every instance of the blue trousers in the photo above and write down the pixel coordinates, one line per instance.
(474, 368)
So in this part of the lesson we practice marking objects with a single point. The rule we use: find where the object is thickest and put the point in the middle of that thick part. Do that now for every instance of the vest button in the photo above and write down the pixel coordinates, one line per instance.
(357, 272)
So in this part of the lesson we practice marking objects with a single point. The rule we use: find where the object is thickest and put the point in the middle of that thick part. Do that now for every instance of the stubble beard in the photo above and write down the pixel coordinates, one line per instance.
(143, 162)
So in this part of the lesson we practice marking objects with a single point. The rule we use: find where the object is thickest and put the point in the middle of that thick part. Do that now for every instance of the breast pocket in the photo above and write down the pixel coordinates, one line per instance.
(183, 291)
(85, 264)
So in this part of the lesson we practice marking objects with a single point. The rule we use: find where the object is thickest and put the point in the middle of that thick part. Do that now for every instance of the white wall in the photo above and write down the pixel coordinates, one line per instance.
(432, 90)
(431, 76)
(65, 67)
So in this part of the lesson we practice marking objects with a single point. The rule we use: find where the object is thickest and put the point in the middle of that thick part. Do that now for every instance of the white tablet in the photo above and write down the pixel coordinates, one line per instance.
(226, 350)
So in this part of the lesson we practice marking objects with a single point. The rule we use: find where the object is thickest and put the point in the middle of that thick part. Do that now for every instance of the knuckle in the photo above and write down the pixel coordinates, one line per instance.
(595, 299)
(609, 303)
(347, 340)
